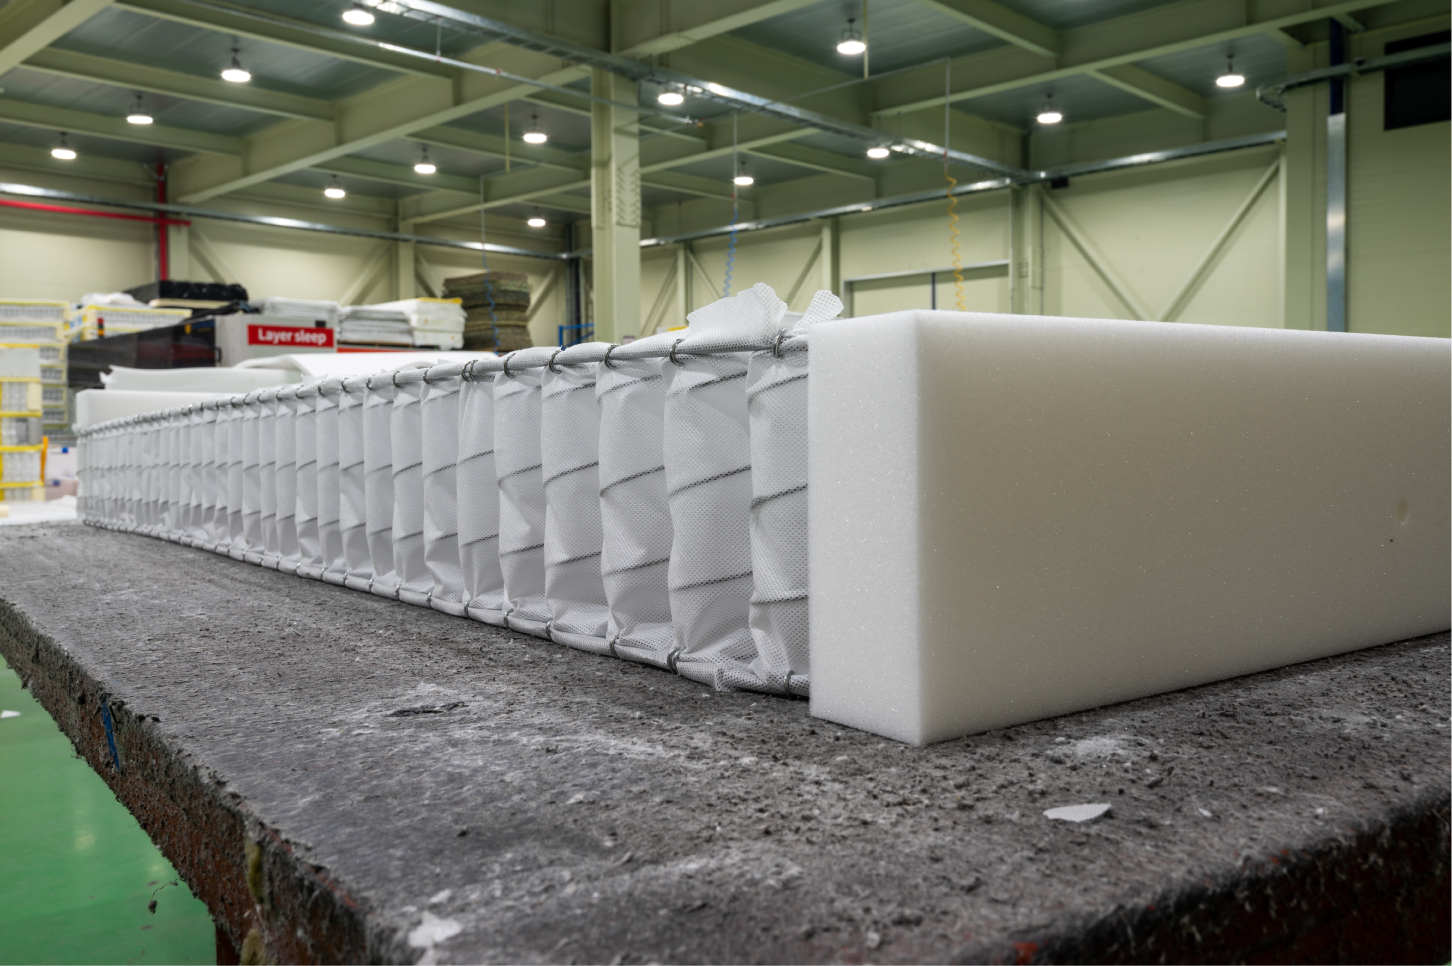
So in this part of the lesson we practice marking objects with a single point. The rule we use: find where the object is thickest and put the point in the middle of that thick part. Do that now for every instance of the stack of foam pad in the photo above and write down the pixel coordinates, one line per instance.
(374, 325)
(502, 326)
(436, 323)
(304, 310)
(646, 501)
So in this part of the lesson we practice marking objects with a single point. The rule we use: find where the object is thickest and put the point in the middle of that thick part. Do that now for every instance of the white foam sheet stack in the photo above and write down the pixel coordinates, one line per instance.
(353, 485)
(570, 465)
(439, 418)
(305, 441)
(519, 470)
(635, 514)
(1044, 515)
(415, 583)
(378, 482)
(477, 487)
(330, 533)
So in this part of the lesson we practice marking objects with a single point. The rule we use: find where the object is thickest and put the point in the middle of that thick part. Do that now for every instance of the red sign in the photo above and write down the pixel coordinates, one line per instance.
(286, 335)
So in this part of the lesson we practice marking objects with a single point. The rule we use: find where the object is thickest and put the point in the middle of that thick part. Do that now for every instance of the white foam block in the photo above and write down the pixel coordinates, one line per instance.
(1016, 517)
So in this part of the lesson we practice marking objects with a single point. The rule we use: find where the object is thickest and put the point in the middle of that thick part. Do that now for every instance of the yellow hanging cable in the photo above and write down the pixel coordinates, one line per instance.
(952, 198)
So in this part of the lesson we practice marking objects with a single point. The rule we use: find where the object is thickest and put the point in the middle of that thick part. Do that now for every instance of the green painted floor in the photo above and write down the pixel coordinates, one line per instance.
(78, 871)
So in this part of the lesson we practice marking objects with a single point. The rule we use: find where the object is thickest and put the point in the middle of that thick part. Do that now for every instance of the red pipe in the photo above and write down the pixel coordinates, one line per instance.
(162, 265)
(64, 210)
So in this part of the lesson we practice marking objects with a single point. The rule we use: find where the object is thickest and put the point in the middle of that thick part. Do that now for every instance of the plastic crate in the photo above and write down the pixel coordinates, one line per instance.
(22, 397)
(22, 492)
(98, 321)
(32, 310)
(55, 416)
(32, 332)
(20, 465)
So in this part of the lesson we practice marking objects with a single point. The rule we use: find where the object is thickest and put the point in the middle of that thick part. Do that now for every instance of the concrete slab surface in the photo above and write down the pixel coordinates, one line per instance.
(345, 778)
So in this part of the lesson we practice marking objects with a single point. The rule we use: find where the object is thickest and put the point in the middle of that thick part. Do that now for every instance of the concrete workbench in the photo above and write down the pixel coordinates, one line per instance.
(345, 778)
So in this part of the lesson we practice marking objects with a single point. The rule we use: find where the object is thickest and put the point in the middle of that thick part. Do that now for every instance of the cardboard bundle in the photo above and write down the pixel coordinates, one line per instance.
(502, 327)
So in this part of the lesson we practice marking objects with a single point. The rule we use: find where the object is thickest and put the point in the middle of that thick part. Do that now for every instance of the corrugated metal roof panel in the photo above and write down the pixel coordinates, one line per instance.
(109, 101)
(126, 35)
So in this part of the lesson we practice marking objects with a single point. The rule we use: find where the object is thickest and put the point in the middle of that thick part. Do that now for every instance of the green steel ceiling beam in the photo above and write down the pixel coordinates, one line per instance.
(27, 26)
(576, 203)
(303, 197)
(816, 159)
(1156, 90)
(156, 80)
(492, 145)
(643, 28)
(116, 128)
(1170, 29)
(385, 113)
(86, 166)
(1002, 23)
(504, 189)
(301, 37)
(689, 184)
(370, 170)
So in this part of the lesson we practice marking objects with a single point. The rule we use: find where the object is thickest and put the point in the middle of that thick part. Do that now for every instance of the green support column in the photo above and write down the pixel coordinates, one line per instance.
(404, 286)
(683, 304)
(1027, 258)
(615, 207)
(1304, 266)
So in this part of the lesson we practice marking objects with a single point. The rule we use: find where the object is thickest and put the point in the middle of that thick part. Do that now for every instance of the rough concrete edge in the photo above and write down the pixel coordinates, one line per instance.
(273, 906)
(1380, 893)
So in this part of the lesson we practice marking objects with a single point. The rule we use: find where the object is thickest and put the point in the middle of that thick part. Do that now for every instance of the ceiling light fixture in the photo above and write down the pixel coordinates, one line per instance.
(671, 98)
(536, 220)
(1049, 113)
(235, 73)
(138, 115)
(62, 150)
(358, 16)
(534, 135)
(851, 43)
(743, 176)
(334, 189)
(1231, 77)
(424, 165)
(877, 152)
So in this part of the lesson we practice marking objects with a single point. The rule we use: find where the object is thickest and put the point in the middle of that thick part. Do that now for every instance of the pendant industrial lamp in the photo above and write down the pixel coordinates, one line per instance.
(534, 135)
(62, 150)
(743, 176)
(334, 189)
(1231, 77)
(424, 165)
(358, 16)
(536, 220)
(138, 114)
(235, 73)
(671, 97)
(851, 43)
(1049, 113)
(877, 152)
